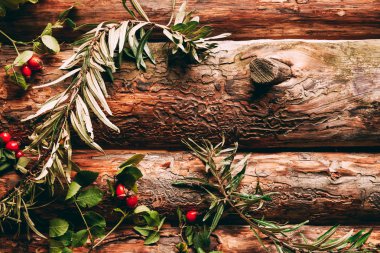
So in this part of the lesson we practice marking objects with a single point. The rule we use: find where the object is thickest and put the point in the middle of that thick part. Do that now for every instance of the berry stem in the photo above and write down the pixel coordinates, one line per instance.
(11, 40)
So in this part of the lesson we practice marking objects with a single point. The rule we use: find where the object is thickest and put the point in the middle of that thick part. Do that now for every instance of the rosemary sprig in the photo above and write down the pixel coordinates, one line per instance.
(223, 178)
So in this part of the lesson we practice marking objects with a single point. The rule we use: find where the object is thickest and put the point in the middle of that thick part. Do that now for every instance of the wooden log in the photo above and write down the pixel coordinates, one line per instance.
(245, 19)
(231, 239)
(325, 188)
(332, 99)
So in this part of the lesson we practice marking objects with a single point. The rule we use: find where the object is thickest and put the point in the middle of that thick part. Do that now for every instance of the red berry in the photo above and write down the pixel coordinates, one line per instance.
(6, 137)
(132, 201)
(120, 191)
(26, 71)
(19, 154)
(12, 146)
(191, 216)
(35, 63)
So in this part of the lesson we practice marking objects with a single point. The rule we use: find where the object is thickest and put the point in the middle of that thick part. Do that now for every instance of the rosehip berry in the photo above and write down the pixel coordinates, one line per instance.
(6, 137)
(35, 63)
(26, 71)
(132, 201)
(120, 191)
(12, 146)
(19, 154)
(191, 216)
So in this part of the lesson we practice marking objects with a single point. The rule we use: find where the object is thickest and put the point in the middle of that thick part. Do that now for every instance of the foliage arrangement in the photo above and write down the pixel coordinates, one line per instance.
(12, 5)
(27, 61)
(223, 178)
(193, 235)
(66, 235)
(98, 55)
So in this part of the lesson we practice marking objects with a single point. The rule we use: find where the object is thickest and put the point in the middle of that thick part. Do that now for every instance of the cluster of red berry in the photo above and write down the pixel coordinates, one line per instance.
(33, 64)
(11, 145)
(122, 193)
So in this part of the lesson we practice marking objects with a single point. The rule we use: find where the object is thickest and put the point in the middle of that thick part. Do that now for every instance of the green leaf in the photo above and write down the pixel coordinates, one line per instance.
(51, 43)
(217, 217)
(5, 166)
(141, 209)
(95, 219)
(65, 238)
(22, 58)
(85, 177)
(138, 8)
(22, 163)
(67, 250)
(90, 197)
(19, 79)
(55, 246)
(202, 239)
(58, 227)
(128, 176)
(145, 231)
(132, 161)
(73, 189)
(48, 30)
(139, 54)
(152, 238)
(80, 238)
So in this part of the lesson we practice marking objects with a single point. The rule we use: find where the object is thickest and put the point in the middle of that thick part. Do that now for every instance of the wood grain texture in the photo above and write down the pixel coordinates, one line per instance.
(332, 100)
(325, 188)
(229, 239)
(245, 19)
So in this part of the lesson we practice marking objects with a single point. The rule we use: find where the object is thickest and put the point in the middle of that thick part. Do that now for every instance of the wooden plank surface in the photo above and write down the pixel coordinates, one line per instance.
(332, 99)
(229, 239)
(325, 188)
(245, 19)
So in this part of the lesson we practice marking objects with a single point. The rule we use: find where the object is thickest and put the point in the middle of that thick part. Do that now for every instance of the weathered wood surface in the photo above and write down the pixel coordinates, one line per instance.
(332, 100)
(229, 239)
(325, 188)
(245, 19)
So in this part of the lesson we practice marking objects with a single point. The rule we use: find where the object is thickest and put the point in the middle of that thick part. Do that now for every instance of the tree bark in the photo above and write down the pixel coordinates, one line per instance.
(245, 19)
(325, 188)
(231, 239)
(332, 100)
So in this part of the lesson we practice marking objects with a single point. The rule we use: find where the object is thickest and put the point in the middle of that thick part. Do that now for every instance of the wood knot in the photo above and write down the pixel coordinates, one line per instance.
(269, 71)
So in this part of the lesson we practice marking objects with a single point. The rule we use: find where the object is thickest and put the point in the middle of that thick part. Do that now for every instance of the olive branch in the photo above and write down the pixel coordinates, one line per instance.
(222, 181)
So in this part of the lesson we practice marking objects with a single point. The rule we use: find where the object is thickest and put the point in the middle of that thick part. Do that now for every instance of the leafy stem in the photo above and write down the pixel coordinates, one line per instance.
(121, 220)
(11, 40)
(223, 178)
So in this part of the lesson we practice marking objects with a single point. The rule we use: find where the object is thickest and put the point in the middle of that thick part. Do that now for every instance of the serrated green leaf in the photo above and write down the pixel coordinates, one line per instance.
(94, 219)
(80, 238)
(90, 197)
(55, 246)
(58, 227)
(128, 176)
(65, 238)
(86, 177)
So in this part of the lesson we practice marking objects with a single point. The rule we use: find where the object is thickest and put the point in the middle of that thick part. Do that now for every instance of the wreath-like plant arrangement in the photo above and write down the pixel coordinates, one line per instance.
(97, 56)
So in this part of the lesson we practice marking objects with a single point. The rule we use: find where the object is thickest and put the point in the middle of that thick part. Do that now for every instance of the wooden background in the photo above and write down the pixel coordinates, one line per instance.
(315, 137)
